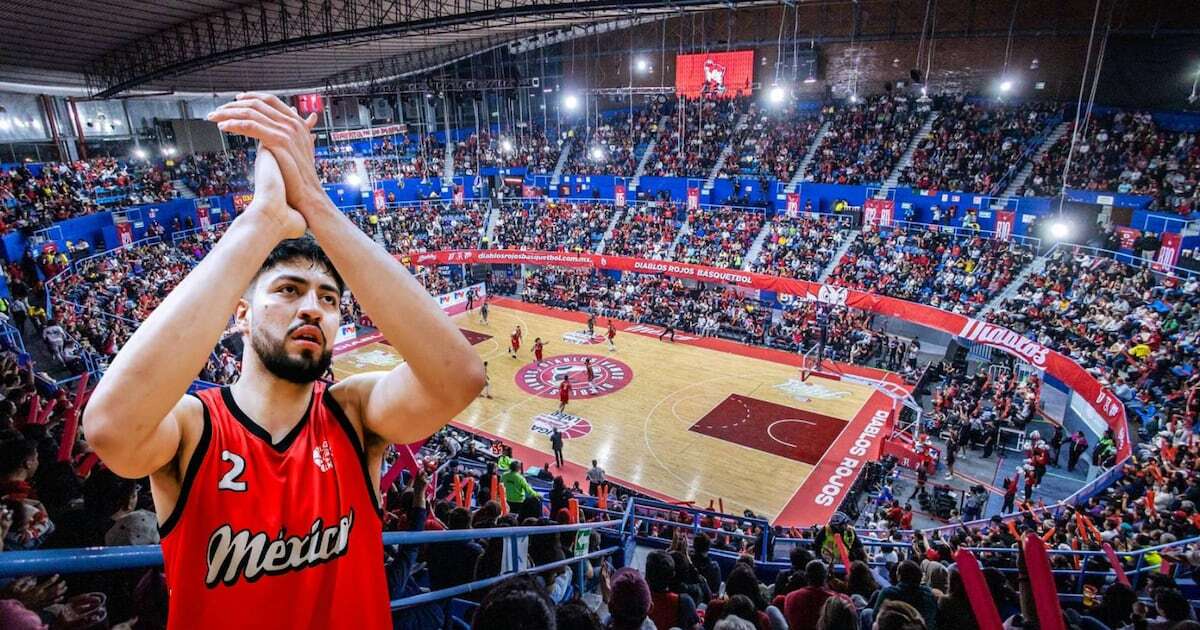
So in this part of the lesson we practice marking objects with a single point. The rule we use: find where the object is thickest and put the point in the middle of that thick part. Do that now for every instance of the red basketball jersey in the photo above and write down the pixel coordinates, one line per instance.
(276, 535)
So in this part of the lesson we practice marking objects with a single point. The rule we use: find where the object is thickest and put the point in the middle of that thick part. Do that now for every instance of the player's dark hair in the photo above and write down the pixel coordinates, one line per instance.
(301, 249)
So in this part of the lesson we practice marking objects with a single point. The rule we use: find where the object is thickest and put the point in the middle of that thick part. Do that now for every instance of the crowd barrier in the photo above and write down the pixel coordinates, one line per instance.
(93, 559)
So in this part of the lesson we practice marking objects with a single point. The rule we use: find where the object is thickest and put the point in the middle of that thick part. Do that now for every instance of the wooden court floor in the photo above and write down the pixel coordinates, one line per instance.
(692, 420)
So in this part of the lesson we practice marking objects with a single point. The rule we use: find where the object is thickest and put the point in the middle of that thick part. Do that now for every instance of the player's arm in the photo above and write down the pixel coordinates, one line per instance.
(442, 374)
(131, 420)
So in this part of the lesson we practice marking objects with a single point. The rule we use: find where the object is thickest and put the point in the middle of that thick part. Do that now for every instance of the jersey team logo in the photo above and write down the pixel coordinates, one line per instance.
(323, 457)
(568, 426)
(582, 337)
(542, 379)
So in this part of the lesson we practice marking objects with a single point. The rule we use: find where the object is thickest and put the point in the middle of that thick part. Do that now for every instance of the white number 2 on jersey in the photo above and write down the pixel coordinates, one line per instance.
(230, 481)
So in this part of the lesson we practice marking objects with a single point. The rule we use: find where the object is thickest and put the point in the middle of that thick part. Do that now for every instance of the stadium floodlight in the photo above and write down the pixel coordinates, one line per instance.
(642, 64)
(168, 151)
(354, 179)
(506, 145)
(1006, 85)
(777, 94)
(853, 98)
(139, 153)
(597, 154)
(571, 102)
(1060, 230)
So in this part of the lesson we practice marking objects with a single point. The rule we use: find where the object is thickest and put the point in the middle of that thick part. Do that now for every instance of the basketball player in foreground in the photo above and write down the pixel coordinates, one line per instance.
(267, 490)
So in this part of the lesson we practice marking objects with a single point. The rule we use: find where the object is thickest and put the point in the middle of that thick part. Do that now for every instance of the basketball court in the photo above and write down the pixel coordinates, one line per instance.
(696, 420)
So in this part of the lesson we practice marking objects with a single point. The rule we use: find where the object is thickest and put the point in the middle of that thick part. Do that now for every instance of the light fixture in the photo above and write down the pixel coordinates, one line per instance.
(777, 94)
(1060, 230)
(1006, 85)
(354, 179)
(810, 79)
(571, 102)
(506, 145)
(139, 153)
(853, 98)
(642, 65)
(168, 151)
(597, 154)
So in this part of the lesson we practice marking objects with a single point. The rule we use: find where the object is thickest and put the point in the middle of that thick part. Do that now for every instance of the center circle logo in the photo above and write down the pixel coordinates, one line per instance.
(542, 379)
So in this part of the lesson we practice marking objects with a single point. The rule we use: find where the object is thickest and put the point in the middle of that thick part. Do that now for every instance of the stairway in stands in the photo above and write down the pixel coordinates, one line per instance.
(1014, 186)
(1037, 266)
(756, 246)
(906, 158)
(489, 231)
(726, 152)
(181, 187)
(837, 257)
(641, 169)
(618, 214)
(562, 161)
(808, 157)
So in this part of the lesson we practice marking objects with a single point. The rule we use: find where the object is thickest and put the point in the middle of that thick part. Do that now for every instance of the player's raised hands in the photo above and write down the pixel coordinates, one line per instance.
(282, 130)
(270, 198)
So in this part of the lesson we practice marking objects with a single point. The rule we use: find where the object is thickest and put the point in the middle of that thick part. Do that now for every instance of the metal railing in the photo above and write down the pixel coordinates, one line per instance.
(95, 559)
(1133, 260)
(1032, 242)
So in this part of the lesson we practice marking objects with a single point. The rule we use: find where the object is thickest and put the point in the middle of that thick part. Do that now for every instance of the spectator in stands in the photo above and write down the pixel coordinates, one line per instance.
(668, 609)
(453, 563)
(629, 601)
(837, 613)
(803, 606)
(897, 615)
(517, 603)
(910, 591)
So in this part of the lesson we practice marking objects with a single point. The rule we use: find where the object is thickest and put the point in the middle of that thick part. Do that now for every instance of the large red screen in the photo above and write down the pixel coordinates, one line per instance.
(715, 74)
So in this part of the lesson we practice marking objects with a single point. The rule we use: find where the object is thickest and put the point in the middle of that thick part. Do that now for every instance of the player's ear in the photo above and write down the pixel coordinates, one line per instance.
(241, 315)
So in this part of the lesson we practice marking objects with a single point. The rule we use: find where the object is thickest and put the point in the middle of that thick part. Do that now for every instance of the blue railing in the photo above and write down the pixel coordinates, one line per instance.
(94, 559)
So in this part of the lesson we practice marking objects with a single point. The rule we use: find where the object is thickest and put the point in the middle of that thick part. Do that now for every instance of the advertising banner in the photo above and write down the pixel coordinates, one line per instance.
(1168, 254)
(361, 134)
(125, 233)
(693, 198)
(619, 196)
(793, 204)
(380, 198)
(1127, 235)
(878, 212)
(1004, 224)
(458, 195)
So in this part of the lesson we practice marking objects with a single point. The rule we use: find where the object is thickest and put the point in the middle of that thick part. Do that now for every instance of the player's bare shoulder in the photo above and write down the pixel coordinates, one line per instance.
(187, 416)
(351, 395)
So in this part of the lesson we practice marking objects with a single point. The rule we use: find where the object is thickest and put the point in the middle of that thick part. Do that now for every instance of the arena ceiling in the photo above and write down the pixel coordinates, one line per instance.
(114, 46)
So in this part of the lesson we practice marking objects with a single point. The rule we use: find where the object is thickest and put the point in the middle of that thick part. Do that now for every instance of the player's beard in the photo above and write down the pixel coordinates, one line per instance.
(274, 356)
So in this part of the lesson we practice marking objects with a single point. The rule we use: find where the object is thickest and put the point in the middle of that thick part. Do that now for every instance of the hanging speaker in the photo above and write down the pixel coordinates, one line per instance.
(915, 75)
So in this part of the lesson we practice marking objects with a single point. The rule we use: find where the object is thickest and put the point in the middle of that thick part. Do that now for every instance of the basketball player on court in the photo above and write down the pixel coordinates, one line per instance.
(564, 394)
(483, 310)
(591, 324)
(267, 490)
(538, 346)
(612, 333)
(514, 342)
(487, 381)
(587, 366)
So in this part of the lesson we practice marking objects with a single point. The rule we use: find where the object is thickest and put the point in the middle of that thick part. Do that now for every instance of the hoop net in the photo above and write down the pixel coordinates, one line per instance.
(811, 364)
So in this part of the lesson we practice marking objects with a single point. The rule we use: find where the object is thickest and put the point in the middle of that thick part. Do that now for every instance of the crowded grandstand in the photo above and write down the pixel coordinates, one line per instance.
(713, 315)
